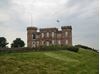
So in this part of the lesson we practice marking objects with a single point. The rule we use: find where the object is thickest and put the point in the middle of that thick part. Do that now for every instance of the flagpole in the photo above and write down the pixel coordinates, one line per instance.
(31, 20)
(31, 16)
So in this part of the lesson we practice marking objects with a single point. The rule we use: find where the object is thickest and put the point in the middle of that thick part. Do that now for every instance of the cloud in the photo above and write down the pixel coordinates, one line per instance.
(15, 16)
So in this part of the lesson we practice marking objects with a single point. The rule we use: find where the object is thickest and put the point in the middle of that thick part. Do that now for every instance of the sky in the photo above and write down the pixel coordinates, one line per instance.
(82, 15)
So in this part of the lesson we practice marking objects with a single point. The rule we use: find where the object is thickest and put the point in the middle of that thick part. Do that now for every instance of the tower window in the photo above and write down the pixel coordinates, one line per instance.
(66, 41)
(66, 33)
(34, 37)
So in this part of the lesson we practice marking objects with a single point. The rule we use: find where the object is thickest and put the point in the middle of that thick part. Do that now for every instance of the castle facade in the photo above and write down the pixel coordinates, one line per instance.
(49, 36)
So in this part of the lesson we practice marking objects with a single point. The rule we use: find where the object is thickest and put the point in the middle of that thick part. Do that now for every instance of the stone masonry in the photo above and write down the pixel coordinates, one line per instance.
(49, 36)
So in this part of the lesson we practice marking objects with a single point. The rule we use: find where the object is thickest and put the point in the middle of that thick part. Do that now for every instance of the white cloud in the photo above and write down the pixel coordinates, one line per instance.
(15, 16)
(4, 16)
(38, 8)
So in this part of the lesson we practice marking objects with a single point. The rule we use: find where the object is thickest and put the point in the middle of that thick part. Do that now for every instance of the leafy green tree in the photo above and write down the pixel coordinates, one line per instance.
(18, 43)
(3, 42)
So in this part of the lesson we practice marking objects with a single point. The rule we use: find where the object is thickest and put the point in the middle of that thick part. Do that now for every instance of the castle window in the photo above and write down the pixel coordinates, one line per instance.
(47, 43)
(66, 33)
(47, 34)
(52, 34)
(66, 41)
(42, 35)
(33, 36)
(53, 42)
(59, 42)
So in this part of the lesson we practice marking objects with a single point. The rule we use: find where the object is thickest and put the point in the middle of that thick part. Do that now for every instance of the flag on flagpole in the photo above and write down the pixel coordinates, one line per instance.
(58, 21)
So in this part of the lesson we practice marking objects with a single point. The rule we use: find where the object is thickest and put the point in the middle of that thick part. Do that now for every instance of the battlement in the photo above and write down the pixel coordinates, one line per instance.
(31, 28)
(49, 36)
(66, 27)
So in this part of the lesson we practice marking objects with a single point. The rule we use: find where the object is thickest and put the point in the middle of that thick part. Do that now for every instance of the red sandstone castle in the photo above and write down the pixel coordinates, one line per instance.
(49, 36)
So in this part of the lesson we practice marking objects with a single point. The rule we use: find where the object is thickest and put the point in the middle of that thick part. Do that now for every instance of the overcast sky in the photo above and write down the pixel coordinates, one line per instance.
(82, 15)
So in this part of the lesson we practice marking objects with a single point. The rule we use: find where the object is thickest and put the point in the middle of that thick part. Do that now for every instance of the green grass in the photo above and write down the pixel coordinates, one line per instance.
(50, 62)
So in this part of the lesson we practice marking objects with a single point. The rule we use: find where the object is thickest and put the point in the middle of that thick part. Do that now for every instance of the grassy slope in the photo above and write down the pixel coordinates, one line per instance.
(51, 62)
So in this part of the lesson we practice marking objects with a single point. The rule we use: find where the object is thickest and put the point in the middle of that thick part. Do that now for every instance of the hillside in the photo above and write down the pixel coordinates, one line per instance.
(50, 62)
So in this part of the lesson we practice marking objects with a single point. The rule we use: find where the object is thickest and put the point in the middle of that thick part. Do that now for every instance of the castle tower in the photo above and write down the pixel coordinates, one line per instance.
(67, 35)
(31, 36)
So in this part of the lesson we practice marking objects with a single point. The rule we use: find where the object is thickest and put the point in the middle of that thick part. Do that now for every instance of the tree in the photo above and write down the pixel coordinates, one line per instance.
(3, 42)
(18, 43)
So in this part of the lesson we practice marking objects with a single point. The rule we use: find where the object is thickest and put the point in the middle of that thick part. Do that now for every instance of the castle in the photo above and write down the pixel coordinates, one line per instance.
(49, 36)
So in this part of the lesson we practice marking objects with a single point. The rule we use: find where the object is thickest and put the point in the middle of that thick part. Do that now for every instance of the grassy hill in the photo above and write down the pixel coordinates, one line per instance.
(50, 62)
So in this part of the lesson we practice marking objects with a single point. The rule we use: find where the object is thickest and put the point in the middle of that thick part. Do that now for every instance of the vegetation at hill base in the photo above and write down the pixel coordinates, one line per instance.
(15, 44)
(18, 43)
(3, 42)
(85, 47)
(50, 62)
(57, 47)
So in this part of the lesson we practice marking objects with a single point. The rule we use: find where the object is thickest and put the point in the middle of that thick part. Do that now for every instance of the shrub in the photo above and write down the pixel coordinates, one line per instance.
(18, 43)
(86, 47)
(51, 47)
(82, 46)
(64, 47)
(72, 48)
(58, 47)
(3, 42)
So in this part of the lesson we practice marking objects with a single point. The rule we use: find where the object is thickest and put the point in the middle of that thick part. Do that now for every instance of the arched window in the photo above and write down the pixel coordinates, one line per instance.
(66, 34)
(33, 36)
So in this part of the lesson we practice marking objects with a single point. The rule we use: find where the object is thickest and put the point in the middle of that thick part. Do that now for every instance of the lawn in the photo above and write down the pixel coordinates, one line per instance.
(50, 62)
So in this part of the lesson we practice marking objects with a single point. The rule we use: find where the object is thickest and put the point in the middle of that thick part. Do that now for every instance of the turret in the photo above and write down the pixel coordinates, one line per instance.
(31, 35)
(67, 34)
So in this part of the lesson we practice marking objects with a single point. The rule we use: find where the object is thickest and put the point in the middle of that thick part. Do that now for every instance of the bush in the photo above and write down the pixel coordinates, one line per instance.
(51, 47)
(17, 43)
(3, 42)
(86, 47)
(57, 47)
(82, 46)
(72, 48)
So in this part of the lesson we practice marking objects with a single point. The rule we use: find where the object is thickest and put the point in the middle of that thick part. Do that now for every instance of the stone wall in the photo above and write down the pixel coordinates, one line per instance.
(44, 36)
